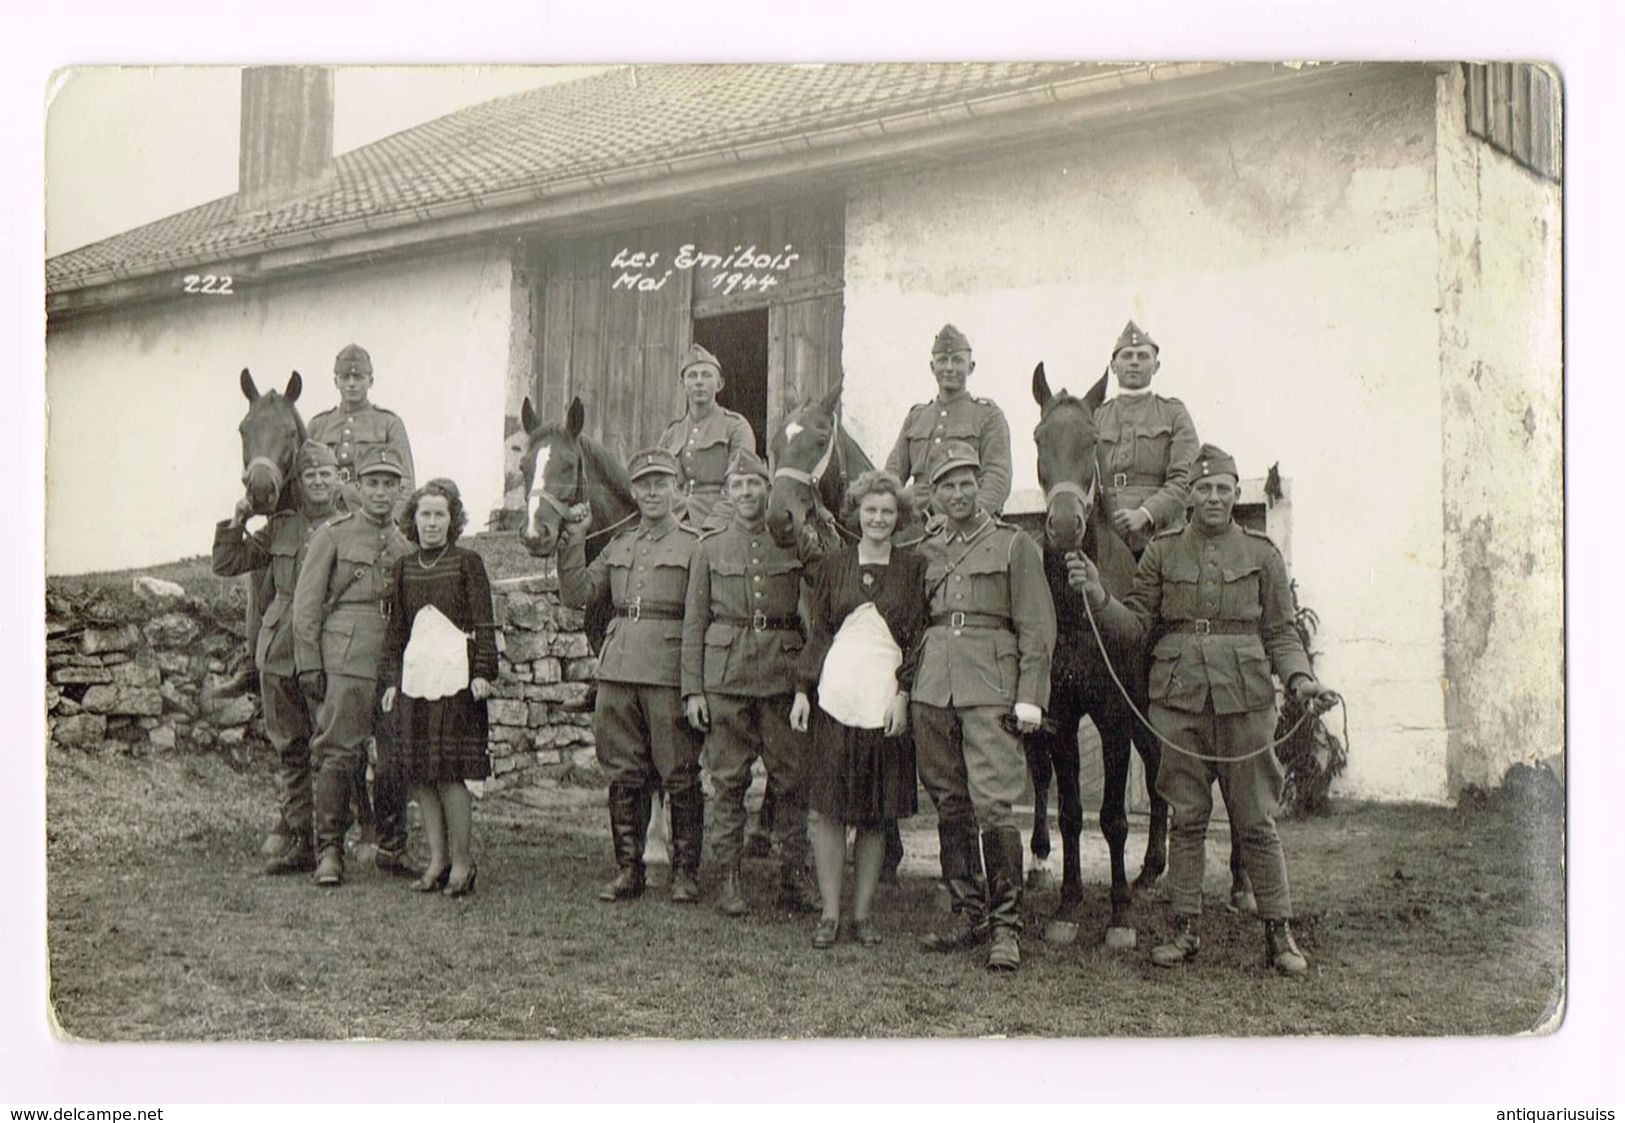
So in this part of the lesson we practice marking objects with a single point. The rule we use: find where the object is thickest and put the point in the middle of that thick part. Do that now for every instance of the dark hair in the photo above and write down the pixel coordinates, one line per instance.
(447, 490)
(878, 481)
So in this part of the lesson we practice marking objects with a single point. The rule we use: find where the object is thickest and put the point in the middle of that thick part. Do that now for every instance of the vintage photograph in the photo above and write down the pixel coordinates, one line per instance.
(788, 551)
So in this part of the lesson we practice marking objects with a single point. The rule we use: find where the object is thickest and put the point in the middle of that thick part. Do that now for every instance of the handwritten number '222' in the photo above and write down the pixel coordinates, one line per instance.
(208, 284)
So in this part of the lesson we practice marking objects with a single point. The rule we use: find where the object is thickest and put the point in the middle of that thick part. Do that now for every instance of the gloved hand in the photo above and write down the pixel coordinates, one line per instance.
(313, 685)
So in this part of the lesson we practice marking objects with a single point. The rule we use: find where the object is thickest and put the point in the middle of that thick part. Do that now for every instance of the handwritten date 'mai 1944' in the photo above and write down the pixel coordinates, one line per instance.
(745, 269)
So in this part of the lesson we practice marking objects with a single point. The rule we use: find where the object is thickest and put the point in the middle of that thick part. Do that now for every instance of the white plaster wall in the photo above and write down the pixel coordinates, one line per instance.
(1501, 353)
(144, 456)
(1284, 257)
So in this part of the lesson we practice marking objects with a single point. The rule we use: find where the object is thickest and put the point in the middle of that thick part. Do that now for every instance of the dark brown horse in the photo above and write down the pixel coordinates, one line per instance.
(563, 467)
(1076, 520)
(272, 433)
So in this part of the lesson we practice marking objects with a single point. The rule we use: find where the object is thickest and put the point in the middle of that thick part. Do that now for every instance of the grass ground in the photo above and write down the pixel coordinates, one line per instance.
(1420, 921)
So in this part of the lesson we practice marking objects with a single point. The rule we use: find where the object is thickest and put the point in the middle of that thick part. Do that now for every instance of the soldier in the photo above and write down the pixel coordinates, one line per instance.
(1217, 600)
(338, 639)
(985, 656)
(355, 426)
(741, 638)
(638, 719)
(277, 550)
(953, 415)
(353, 429)
(1147, 444)
(704, 442)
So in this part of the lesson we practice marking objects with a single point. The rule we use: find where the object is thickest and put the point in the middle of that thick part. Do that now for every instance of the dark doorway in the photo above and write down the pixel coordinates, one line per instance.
(739, 341)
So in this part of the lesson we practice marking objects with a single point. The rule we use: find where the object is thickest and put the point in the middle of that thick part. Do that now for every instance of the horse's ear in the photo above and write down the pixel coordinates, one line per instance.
(1041, 390)
(295, 385)
(576, 419)
(1096, 397)
(527, 416)
(832, 396)
(246, 381)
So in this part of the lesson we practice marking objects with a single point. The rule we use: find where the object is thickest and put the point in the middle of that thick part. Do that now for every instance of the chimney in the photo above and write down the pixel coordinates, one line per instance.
(286, 146)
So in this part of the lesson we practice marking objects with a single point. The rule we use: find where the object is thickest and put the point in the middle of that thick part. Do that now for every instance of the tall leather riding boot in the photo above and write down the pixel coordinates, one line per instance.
(962, 875)
(1001, 851)
(628, 811)
(687, 835)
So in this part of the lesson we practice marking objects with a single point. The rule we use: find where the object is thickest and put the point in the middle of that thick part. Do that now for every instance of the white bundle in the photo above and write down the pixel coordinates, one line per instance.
(436, 661)
(859, 679)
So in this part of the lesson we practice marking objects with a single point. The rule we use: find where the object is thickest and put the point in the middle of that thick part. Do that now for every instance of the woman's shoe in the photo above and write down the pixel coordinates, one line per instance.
(827, 932)
(466, 886)
(427, 884)
(865, 932)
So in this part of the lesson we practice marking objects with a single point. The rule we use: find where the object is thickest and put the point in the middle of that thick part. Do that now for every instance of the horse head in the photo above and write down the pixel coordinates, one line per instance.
(799, 454)
(555, 471)
(1068, 469)
(272, 432)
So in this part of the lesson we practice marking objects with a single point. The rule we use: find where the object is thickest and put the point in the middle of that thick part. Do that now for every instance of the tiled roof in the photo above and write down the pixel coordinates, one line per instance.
(621, 119)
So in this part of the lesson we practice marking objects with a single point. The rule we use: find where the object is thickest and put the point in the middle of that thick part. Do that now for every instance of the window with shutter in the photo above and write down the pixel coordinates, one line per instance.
(1516, 108)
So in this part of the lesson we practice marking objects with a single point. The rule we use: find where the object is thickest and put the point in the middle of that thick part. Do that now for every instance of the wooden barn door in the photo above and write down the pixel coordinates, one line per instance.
(618, 346)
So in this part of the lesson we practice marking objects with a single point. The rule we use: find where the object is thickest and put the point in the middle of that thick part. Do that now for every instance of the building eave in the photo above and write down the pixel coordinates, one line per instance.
(1122, 98)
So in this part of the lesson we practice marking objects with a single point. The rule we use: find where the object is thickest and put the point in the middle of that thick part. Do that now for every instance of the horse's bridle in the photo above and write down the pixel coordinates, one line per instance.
(270, 465)
(1086, 496)
(812, 480)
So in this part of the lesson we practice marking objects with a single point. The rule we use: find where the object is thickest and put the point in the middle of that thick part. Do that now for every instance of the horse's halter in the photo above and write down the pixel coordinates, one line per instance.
(269, 465)
(811, 479)
(561, 507)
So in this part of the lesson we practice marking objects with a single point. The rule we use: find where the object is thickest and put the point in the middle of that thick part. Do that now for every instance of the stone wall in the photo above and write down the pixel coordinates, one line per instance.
(541, 720)
(151, 669)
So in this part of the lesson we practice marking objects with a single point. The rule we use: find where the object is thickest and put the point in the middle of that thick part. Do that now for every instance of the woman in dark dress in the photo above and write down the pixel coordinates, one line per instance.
(441, 679)
(861, 774)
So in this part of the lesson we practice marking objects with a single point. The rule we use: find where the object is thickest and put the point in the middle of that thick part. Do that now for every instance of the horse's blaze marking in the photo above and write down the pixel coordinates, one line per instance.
(792, 430)
(538, 474)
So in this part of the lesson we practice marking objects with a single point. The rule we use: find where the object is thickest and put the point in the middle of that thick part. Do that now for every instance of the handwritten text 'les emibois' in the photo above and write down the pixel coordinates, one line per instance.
(745, 269)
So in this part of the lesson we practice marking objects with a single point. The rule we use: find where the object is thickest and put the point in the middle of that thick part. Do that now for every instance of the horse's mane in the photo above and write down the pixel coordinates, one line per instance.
(609, 470)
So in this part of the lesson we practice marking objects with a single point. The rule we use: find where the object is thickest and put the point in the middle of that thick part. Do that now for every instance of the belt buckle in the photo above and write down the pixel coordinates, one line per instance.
(956, 620)
(1203, 627)
(635, 609)
(1120, 479)
(758, 621)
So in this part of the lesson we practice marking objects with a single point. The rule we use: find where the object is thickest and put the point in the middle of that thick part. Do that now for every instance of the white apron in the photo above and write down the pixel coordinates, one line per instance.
(859, 680)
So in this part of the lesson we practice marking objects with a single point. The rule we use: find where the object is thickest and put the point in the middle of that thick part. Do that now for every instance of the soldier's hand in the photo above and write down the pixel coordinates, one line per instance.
(934, 522)
(313, 685)
(1316, 696)
(800, 712)
(698, 711)
(480, 688)
(1083, 575)
(1127, 522)
(240, 513)
(387, 702)
(579, 513)
(1028, 717)
(897, 716)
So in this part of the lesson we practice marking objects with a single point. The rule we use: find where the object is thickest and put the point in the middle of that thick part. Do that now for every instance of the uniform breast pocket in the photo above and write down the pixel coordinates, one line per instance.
(1181, 590)
(668, 581)
(1241, 597)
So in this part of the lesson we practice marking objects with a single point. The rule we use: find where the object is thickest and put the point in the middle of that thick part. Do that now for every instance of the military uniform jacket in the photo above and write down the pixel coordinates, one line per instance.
(338, 604)
(1002, 654)
(1147, 447)
(742, 589)
(641, 571)
(1237, 582)
(352, 435)
(976, 421)
(704, 449)
(280, 546)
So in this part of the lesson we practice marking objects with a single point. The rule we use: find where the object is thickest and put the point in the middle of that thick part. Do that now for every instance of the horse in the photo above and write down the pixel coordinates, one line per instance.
(1076, 519)
(272, 433)
(562, 467)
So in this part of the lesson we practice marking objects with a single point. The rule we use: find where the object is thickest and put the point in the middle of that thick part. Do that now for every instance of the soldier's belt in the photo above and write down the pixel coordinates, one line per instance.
(641, 609)
(762, 622)
(957, 620)
(1211, 627)
(1136, 479)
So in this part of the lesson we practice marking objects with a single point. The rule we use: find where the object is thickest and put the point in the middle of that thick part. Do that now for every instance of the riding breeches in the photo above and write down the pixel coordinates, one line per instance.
(641, 728)
(972, 767)
(740, 729)
(1251, 790)
(344, 721)
(287, 725)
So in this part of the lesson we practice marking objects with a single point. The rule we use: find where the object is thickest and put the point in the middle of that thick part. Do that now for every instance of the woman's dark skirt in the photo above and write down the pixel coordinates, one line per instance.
(859, 777)
(443, 741)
